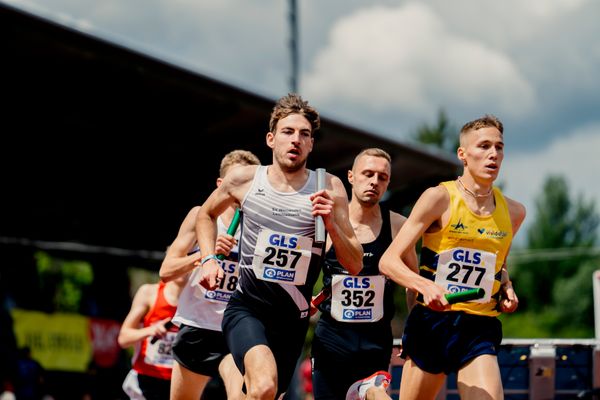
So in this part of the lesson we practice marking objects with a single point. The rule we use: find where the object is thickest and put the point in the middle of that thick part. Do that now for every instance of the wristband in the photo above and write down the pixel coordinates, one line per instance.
(208, 257)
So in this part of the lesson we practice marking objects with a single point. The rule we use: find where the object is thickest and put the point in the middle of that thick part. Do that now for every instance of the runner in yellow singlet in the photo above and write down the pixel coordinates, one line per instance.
(467, 226)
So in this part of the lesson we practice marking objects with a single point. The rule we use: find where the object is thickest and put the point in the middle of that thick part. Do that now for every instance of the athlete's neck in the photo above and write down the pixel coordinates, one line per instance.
(473, 188)
(363, 213)
(480, 199)
(366, 220)
(286, 181)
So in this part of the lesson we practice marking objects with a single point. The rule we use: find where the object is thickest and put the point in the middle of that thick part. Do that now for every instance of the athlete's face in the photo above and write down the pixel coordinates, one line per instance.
(370, 178)
(482, 152)
(291, 142)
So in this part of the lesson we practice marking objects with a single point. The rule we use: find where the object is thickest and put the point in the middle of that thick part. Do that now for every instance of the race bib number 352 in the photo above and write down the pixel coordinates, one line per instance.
(357, 298)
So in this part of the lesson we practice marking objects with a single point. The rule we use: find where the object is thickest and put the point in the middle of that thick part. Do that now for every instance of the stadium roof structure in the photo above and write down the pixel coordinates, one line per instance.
(106, 145)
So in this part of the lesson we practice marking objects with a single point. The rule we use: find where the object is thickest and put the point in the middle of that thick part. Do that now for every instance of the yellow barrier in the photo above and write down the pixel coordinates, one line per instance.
(57, 341)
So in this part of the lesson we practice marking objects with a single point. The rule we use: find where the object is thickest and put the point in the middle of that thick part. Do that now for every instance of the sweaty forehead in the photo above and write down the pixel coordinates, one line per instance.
(490, 134)
(294, 121)
(373, 163)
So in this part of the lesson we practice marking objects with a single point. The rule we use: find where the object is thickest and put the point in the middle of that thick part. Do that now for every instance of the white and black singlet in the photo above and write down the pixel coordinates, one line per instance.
(279, 263)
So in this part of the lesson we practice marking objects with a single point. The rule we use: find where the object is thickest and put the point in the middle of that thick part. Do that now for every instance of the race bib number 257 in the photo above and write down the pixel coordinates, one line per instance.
(282, 257)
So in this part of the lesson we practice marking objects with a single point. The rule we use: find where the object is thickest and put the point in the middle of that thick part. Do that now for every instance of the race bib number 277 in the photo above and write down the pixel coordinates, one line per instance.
(461, 269)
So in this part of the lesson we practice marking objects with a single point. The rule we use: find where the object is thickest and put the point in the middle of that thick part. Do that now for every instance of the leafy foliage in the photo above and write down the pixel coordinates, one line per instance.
(555, 288)
(63, 281)
(442, 134)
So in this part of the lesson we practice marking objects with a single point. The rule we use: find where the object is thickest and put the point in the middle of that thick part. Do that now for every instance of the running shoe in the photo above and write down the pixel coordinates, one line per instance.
(358, 390)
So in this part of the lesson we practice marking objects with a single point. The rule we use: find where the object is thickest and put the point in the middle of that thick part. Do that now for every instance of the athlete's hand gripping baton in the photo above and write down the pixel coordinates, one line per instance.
(235, 222)
(168, 326)
(319, 224)
(459, 297)
(318, 299)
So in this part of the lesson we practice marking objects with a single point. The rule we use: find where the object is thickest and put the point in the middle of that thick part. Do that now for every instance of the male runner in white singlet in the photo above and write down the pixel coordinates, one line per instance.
(266, 320)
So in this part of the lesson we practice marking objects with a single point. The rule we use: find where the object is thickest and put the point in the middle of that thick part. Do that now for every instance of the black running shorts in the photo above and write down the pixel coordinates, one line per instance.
(199, 350)
(245, 329)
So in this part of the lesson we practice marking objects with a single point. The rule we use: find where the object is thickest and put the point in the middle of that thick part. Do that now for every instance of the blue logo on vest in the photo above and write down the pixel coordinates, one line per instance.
(278, 274)
(458, 288)
(218, 295)
(357, 314)
(283, 241)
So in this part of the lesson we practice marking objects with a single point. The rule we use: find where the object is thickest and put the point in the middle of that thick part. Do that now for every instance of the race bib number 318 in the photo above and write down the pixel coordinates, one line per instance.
(226, 285)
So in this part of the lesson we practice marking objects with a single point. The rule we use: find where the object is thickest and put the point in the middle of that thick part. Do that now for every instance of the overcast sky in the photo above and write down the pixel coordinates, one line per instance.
(389, 66)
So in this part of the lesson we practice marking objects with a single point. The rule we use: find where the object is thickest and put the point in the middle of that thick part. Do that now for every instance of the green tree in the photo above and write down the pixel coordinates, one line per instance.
(63, 281)
(574, 302)
(560, 224)
(442, 134)
(554, 281)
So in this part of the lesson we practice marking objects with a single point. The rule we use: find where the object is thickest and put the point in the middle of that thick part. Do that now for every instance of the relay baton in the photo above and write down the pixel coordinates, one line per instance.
(466, 295)
(235, 222)
(319, 224)
(320, 297)
(168, 326)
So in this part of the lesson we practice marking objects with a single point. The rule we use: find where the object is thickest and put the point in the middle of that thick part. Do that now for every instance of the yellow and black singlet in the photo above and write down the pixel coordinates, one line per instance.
(469, 252)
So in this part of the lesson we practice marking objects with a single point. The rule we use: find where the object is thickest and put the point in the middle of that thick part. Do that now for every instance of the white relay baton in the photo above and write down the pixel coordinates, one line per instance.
(319, 224)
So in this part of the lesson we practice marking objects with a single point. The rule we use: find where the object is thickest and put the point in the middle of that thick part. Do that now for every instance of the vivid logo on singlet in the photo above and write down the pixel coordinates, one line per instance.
(492, 233)
(459, 228)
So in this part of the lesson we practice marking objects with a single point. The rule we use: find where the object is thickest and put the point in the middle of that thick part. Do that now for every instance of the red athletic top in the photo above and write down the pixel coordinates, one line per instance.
(156, 359)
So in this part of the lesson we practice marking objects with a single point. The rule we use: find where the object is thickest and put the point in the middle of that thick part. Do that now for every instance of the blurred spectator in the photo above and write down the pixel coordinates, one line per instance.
(7, 391)
(306, 379)
(30, 376)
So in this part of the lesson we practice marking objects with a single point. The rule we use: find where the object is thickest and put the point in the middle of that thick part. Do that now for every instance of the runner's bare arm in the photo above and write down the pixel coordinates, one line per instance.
(395, 261)
(177, 262)
(509, 301)
(231, 191)
(332, 205)
(131, 331)
(410, 257)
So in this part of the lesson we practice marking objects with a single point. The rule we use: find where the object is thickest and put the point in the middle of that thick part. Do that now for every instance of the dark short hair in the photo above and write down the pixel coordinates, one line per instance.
(293, 104)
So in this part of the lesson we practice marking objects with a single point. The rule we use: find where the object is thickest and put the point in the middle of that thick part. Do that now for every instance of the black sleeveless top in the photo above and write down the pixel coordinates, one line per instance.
(372, 253)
